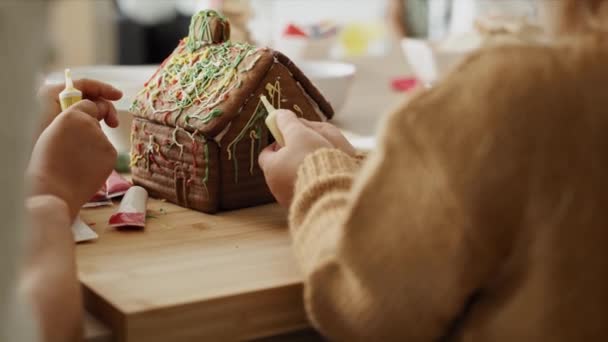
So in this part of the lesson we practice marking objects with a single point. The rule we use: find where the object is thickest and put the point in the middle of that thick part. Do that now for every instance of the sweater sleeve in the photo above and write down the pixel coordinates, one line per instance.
(397, 249)
(377, 264)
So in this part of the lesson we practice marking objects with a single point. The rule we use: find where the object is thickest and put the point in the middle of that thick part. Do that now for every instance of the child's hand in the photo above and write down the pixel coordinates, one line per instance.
(280, 165)
(98, 92)
(72, 157)
(332, 134)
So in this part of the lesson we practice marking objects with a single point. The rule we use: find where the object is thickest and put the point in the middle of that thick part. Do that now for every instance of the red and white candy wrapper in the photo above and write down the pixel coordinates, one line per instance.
(117, 185)
(132, 210)
(100, 199)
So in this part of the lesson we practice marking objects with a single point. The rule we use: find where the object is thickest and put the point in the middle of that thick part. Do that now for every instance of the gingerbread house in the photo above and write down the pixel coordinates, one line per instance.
(199, 121)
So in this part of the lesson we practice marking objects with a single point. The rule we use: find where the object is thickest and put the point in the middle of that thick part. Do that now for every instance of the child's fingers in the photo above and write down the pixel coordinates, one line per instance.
(291, 127)
(108, 112)
(332, 134)
(267, 156)
(88, 107)
(311, 124)
(93, 89)
(99, 109)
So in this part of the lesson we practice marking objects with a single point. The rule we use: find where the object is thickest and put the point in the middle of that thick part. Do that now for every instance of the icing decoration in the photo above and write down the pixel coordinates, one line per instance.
(254, 123)
(274, 89)
(202, 33)
(298, 110)
(201, 79)
(315, 105)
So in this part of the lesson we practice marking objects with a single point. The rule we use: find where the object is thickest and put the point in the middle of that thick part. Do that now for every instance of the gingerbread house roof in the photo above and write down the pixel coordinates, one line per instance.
(203, 85)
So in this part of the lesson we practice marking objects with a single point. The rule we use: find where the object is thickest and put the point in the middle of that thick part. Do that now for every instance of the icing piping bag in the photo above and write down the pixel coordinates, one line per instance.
(132, 209)
(271, 122)
(69, 95)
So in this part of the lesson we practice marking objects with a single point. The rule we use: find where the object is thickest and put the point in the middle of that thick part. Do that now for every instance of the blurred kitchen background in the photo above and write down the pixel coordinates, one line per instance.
(372, 51)
(86, 32)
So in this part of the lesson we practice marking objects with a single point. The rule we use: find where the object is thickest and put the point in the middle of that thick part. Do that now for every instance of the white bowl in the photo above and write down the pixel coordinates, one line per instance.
(333, 79)
(129, 79)
(430, 61)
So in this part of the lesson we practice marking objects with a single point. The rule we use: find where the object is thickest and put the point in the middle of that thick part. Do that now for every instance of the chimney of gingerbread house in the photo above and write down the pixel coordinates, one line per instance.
(208, 27)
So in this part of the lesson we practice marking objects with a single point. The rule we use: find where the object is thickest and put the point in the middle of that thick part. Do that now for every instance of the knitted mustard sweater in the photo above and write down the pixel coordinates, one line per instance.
(482, 216)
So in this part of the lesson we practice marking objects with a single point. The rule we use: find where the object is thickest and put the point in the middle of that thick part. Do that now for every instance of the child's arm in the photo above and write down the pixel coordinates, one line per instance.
(49, 280)
(399, 250)
(385, 255)
(70, 161)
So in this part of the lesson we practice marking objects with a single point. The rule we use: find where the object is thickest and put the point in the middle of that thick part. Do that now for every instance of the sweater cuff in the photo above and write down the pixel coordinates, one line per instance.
(325, 162)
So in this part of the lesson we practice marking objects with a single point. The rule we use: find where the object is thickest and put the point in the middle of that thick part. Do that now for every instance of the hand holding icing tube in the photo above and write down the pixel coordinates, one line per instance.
(69, 95)
(271, 121)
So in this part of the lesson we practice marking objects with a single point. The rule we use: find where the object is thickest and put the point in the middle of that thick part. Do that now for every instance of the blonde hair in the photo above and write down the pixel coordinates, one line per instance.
(582, 16)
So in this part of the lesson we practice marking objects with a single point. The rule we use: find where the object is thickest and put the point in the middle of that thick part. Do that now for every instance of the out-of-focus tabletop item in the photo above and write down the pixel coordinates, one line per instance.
(430, 60)
(132, 210)
(371, 96)
(82, 232)
(405, 84)
(334, 79)
(313, 41)
(318, 29)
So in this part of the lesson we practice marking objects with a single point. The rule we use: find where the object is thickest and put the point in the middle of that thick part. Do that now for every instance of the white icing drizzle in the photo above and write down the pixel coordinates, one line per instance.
(218, 138)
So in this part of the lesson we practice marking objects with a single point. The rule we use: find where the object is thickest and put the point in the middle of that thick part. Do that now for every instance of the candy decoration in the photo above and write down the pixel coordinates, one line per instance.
(293, 31)
(132, 210)
(404, 84)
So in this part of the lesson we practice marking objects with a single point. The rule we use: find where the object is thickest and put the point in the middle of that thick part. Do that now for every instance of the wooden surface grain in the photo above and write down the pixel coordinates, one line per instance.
(190, 275)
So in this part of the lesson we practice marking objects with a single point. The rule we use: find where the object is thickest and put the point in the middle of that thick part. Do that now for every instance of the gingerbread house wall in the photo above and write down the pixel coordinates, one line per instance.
(242, 181)
(174, 174)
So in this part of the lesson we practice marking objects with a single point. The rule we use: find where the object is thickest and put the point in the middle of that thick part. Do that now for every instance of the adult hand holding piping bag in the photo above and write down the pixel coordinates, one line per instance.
(301, 138)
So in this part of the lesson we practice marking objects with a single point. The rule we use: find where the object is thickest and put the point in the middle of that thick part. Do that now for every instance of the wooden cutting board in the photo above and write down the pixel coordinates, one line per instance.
(192, 277)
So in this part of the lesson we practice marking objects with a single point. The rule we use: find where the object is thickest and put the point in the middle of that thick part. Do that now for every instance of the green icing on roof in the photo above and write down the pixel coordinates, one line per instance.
(204, 28)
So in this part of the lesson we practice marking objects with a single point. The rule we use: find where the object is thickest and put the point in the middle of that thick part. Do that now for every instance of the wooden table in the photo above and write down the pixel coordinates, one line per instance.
(190, 276)
(193, 276)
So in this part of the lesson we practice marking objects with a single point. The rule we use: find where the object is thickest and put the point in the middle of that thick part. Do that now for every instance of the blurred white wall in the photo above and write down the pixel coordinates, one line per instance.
(82, 32)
